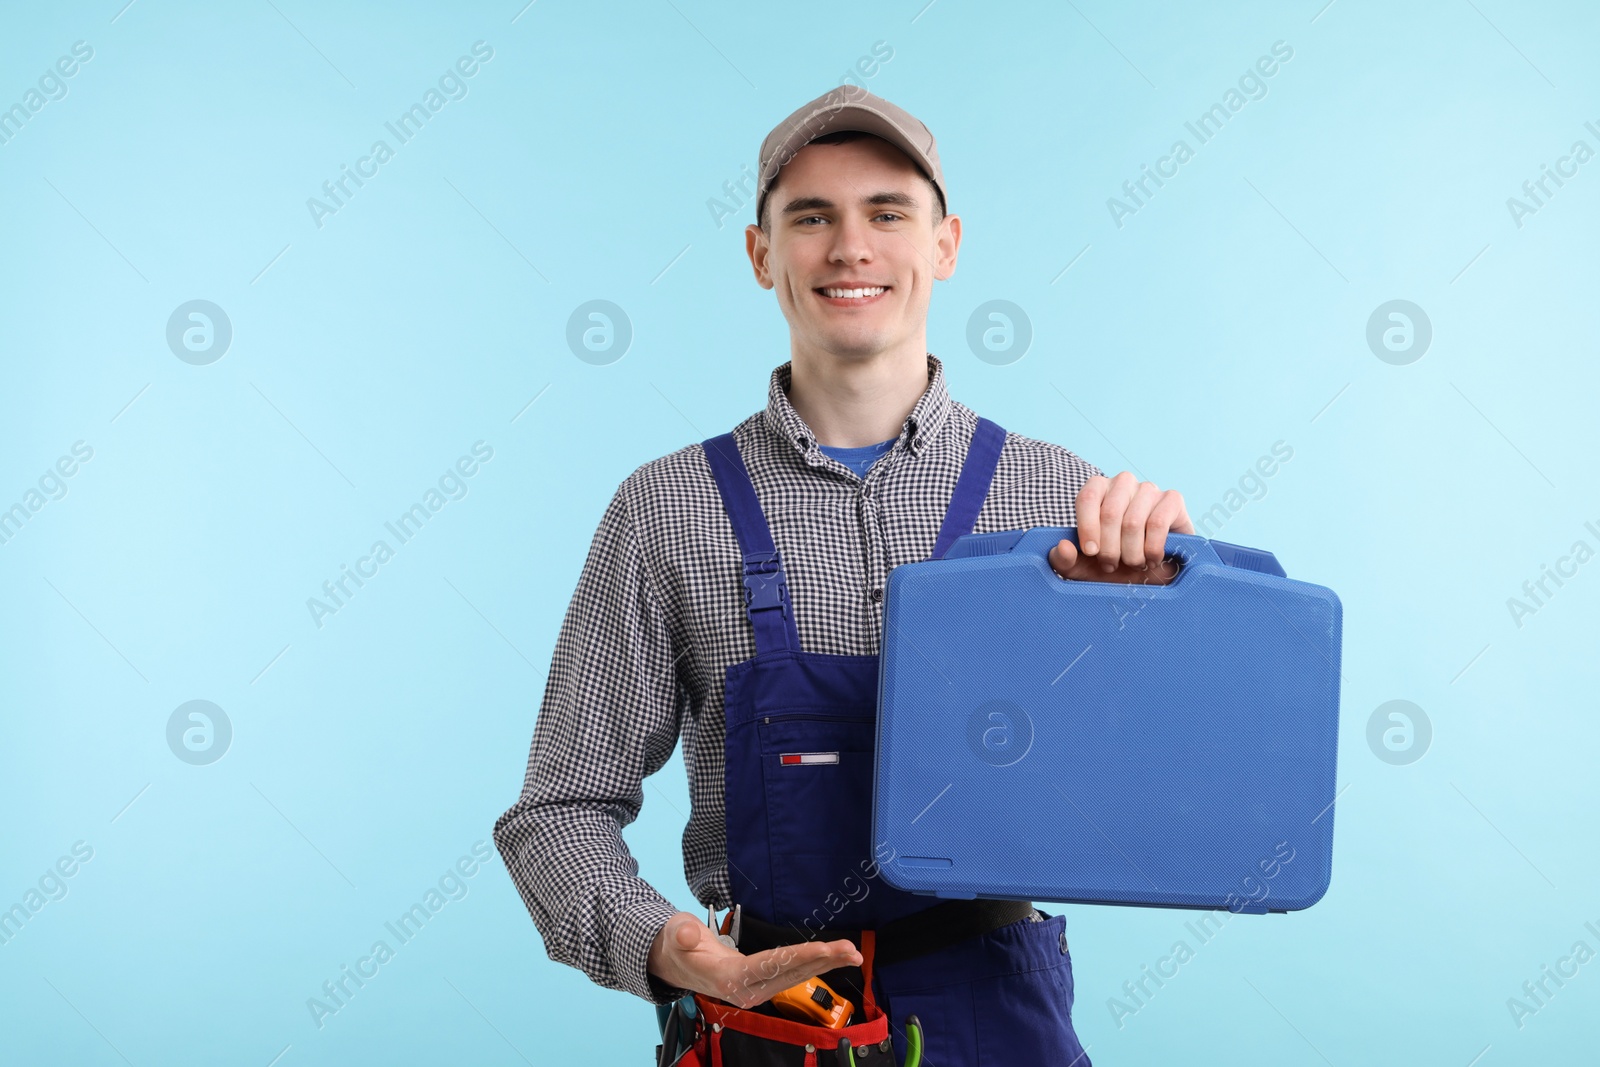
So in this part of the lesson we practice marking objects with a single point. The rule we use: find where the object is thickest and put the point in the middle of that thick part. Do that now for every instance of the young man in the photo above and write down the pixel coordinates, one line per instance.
(686, 622)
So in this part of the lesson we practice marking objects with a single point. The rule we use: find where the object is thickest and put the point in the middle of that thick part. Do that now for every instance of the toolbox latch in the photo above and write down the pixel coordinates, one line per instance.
(1250, 559)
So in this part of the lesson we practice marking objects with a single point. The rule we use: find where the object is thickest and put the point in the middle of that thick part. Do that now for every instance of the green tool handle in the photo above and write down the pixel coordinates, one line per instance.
(913, 1041)
(846, 1053)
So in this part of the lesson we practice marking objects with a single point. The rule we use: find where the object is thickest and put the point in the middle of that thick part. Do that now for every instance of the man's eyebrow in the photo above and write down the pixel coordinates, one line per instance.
(819, 203)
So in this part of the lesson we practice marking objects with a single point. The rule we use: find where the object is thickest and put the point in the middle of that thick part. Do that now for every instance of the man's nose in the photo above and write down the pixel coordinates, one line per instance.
(852, 241)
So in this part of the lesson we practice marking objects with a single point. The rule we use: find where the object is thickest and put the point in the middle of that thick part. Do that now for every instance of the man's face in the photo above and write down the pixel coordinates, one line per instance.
(852, 216)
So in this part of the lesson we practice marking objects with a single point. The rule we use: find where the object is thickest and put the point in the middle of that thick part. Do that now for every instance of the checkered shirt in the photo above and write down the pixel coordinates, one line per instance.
(658, 617)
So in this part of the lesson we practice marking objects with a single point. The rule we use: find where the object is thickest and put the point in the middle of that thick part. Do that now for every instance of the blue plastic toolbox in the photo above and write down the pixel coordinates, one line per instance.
(1080, 741)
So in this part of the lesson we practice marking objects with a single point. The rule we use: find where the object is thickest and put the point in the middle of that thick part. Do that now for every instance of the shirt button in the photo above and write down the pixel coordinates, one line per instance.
(877, 595)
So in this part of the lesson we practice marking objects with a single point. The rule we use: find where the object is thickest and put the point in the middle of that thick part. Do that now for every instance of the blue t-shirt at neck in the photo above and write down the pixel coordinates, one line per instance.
(860, 459)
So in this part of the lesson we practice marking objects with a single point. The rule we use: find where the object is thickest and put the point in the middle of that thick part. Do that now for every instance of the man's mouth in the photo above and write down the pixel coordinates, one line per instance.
(838, 296)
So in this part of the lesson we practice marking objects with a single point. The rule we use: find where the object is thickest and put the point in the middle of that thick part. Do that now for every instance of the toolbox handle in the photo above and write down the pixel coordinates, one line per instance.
(1189, 549)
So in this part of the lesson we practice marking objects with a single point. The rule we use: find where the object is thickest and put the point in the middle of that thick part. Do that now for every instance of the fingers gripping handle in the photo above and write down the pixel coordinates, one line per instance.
(1187, 549)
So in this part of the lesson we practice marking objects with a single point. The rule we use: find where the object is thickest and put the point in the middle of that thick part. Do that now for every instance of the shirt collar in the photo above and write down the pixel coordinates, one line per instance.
(917, 432)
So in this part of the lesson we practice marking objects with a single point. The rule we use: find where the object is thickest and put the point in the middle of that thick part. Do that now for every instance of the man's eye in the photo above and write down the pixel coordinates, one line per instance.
(893, 216)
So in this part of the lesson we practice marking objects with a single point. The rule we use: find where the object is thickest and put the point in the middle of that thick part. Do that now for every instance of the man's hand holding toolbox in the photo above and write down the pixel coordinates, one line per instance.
(1123, 525)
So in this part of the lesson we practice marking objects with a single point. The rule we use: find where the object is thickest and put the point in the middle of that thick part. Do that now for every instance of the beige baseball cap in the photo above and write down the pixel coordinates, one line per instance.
(848, 107)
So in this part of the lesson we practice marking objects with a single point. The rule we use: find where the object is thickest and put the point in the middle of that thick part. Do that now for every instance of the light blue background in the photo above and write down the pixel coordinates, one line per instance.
(368, 354)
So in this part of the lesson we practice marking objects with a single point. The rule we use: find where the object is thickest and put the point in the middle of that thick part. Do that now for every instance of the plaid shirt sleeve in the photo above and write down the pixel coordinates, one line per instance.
(657, 619)
(610, 717)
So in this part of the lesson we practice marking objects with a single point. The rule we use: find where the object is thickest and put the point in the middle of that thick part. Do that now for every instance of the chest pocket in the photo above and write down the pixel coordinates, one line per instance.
(817, 774)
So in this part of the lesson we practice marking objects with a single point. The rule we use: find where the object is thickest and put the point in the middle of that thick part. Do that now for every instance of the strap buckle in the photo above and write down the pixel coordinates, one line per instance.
(764, 582)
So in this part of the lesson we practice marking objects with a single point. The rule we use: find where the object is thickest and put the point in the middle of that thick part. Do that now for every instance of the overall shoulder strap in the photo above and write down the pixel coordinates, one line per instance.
(972, 487)
(766, 591)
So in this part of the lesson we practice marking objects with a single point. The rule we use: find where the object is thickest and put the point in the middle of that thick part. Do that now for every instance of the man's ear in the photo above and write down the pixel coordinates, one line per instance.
(946, 244)
(758, 248)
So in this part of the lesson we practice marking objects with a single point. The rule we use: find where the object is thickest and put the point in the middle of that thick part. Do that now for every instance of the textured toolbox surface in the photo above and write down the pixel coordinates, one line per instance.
(1056, 740)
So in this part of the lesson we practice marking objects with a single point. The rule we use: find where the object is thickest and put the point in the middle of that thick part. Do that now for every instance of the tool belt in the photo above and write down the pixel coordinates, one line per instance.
(727, 1036)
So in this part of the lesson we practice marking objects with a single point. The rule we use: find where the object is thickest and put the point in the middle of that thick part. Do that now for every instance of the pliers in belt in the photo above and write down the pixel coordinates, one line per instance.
(731, 939)
(913, 1045)
(913, 1041)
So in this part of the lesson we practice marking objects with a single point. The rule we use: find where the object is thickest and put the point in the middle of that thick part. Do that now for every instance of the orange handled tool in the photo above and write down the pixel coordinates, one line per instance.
(814, 1001)
(811, 1001)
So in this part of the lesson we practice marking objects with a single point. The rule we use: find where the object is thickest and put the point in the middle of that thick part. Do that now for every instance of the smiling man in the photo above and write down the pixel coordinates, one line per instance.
(733, 596)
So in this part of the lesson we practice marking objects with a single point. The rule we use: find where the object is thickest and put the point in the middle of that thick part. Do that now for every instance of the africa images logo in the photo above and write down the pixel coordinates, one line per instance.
(452, 86)
(1252, 85)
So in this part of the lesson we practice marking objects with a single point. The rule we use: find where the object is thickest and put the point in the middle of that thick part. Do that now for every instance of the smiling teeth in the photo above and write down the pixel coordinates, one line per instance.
(853, 294)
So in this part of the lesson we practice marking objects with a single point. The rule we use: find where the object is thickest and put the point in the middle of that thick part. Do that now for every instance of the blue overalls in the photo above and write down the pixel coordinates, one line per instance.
(798, 793)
